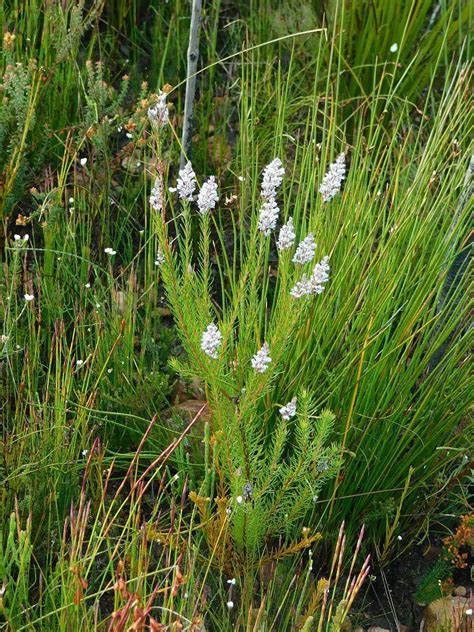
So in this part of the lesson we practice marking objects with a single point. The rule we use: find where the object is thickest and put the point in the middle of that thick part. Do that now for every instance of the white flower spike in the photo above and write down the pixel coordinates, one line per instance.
(332, 181)
(287, 235)
(268, 217)
(305, 251)
(158, 113)
(156, 195)
(208, 196)
(272, 178)
(289, 410)
(160, 258)
(186, 182)
(313, 284)
(261, 359)
(211, 341)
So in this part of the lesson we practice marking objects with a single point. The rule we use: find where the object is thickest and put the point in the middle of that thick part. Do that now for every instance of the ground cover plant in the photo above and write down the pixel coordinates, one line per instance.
(236, 389)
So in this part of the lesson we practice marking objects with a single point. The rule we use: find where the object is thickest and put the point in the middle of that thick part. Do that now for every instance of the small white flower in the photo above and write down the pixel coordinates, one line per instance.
(158, 113)
(286, 238)
(3, 338)
(160, 258)
(83, 161)
(230, 604)
(239, 500)
(231, 581)
(208, 196)
(468, 612)
(79, 362)
(156, 195)
(28, 297)
(313, 284)
(87, 285)
(289, 410)
(332, 181)
(85, 452)
(211, 341)
(71, 200)
(320, 275)
(110, 370)
(176, 477)
(399, 537)
(186, 182)
(268, 217)
(305, 251)
(301, 288)
(262, 359)
(272, 178)
(16, 237)
(128, 135)
(110, 251)
(394, 48)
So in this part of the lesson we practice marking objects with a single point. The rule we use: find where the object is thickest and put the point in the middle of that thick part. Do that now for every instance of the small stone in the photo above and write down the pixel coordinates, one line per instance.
(443, 613)
(460, 591)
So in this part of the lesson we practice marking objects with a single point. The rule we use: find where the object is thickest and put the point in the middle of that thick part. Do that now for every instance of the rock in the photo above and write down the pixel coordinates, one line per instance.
(445, 613)
(460, 591)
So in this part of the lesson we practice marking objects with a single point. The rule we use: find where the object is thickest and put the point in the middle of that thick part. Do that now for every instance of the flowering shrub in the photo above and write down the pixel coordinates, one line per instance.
(270, 460)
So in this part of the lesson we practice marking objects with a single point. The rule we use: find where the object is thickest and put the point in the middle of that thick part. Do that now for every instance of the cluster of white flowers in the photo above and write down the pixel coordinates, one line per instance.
(315, 283)
(110, 251)
(305, 251)
(268, 217)
(332, 181)
(158, 113)
(160, 258)
(287, 235)
(208, 196)
(272, 178)
(28, 297)
(19, 238)
(211, 341)
(261, 359)
(156, 195)
(289, 410)
(186, 182)
(320, 275)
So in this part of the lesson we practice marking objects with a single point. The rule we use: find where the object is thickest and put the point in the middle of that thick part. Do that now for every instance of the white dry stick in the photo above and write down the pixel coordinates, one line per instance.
(193, 55)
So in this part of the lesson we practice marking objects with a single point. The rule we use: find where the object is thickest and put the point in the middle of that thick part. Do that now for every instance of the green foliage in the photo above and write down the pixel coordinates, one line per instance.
(94, 496)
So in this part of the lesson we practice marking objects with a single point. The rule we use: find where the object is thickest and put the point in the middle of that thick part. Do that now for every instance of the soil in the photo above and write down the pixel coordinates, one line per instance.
(388, 599)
